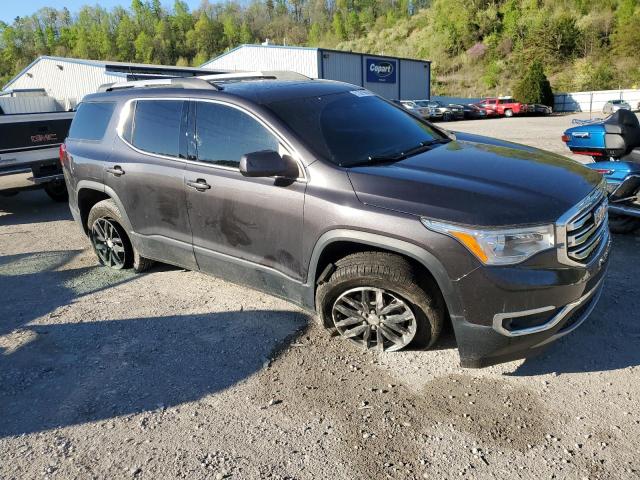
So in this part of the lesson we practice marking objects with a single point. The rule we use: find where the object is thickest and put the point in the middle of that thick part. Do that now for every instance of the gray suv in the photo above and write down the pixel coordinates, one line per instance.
(329, 196)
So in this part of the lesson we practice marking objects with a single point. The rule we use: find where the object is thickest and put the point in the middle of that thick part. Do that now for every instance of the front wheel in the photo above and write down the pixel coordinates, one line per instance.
(508, 113)
(110, 240)
(57, 191)
(623, 223)
(380, 302)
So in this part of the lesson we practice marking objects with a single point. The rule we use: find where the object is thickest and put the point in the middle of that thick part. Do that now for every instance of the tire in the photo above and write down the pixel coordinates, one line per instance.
(446, 117)
(57, 191)
(508, 113)
(107, 213)
(623, 223)
(400, 283)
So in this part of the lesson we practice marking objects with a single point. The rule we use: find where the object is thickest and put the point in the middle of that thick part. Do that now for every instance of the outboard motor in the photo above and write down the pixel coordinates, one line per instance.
(615, 140)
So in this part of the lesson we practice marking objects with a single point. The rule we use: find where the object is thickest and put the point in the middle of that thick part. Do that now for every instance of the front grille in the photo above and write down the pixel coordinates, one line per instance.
(583, 229)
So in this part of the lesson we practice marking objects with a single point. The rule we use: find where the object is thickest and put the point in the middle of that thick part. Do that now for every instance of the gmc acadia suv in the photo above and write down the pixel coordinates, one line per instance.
(348, 205)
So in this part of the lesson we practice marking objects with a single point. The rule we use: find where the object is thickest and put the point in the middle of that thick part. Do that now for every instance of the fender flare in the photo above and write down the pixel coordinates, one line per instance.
(424, 257)
(100, 187)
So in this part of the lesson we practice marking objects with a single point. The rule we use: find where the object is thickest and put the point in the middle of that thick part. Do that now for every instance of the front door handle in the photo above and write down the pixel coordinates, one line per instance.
(117, 171)
(200, 184)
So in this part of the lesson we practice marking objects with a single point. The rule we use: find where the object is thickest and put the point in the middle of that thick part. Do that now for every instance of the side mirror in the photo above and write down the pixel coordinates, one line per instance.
(267, 163)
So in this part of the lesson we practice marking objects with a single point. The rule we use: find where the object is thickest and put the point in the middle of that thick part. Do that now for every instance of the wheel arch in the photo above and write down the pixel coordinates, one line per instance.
(90, 193)
(337, 243)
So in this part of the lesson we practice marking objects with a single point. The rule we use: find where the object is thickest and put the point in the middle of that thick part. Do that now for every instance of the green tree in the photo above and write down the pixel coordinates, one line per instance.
(534, 87)
(144, 48)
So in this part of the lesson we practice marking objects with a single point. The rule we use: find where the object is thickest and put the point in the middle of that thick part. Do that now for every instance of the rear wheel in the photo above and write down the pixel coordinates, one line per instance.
(623, 223)
(508, 113)
(110, 240)
(380, 302)
(57, 191)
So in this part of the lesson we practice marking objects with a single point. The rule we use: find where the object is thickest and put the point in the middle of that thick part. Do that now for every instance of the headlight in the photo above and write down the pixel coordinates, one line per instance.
(499, 246)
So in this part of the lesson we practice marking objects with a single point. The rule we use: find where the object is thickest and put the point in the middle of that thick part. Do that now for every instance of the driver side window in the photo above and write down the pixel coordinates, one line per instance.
(224, 134)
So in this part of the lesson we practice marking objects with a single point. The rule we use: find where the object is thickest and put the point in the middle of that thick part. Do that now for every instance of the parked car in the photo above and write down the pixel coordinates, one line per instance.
(613, 106)
(489, 112)
(29, 144)
(413, 106)
(539, 109)
(440, 111)
(473, 112)
(506, 106)
(325, 194)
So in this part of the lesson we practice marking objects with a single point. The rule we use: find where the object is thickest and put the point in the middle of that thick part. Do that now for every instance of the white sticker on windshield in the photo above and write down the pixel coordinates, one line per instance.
(362, 93)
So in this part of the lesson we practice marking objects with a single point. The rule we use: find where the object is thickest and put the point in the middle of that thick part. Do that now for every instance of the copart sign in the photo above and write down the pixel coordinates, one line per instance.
(381, 71)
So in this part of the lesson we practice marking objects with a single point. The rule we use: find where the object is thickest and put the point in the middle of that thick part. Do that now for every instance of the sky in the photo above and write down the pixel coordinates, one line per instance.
(10, 9)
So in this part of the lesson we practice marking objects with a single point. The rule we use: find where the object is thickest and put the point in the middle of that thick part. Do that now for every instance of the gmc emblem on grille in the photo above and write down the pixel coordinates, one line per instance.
(599, 214)
(47, 137)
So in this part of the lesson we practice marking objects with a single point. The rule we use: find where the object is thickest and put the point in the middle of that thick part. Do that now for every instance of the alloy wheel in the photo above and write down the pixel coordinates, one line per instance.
(374, 318)
(108, 243)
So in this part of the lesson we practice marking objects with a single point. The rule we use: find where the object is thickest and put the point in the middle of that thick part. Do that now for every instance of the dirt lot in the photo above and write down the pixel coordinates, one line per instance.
(175, 374)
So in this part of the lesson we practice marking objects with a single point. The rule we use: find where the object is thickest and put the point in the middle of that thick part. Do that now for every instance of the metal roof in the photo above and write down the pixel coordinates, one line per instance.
(317, 49)
(122, 67)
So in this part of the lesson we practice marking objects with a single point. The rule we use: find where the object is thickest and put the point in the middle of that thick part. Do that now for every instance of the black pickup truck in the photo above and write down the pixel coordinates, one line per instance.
(29, 152)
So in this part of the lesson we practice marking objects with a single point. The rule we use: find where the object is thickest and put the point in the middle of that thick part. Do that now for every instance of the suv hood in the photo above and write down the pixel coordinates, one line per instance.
(477, 180)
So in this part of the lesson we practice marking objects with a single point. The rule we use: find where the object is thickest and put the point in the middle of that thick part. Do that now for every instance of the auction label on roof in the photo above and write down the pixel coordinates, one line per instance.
(381, 71)
(362, 93)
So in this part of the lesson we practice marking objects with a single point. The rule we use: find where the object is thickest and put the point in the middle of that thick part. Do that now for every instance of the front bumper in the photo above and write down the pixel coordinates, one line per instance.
(515, 312)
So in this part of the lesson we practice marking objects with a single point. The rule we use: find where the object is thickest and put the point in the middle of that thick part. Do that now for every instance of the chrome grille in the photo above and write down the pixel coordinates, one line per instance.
(583, 229)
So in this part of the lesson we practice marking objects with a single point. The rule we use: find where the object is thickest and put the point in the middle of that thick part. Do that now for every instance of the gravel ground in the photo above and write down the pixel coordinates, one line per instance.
(175, 374)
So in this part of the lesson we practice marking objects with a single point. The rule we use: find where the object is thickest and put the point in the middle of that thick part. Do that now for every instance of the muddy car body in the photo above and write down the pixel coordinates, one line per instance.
(387, 230)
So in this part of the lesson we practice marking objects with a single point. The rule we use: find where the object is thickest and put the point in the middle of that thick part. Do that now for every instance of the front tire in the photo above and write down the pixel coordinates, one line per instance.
(623, 223)
(508, 113)
(381, 302)
(57, 191)
(110, 240)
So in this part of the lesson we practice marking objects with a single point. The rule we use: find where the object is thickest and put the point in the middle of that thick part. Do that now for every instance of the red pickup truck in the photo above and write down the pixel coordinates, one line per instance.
(506, 106)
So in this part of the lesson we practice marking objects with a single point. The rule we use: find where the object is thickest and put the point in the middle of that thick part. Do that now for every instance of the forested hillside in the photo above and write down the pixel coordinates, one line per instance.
(477, 46)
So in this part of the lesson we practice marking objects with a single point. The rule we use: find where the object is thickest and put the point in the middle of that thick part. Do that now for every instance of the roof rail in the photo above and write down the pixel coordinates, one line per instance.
(256, 75)
(207, 81)
(179, 82)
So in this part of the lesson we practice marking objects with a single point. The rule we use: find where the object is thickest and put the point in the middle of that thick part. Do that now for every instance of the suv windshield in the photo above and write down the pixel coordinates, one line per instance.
(351, 128)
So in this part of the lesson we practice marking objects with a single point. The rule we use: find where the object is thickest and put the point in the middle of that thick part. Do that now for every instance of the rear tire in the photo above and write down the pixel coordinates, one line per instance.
(110, 240)
(391, 289)
(623, 224)
(57, 191)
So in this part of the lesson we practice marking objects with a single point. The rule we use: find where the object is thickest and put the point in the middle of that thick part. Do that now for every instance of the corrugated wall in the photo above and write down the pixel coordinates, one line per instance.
(29, 104)
(344, 67)
(257, 57)
(67, 85)
(414, 80)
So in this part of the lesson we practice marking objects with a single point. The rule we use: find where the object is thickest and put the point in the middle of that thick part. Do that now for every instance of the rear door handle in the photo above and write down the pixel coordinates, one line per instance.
(200, 184)
(117, 171)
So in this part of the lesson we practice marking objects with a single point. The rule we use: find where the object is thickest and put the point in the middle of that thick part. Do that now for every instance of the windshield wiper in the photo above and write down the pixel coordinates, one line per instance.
(421, 147)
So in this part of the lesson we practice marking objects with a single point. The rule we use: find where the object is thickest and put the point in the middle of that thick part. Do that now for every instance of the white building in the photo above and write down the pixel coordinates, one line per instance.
(391, 77)
(68, 80)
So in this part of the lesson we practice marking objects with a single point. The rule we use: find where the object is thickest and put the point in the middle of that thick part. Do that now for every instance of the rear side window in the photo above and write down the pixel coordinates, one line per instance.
(91, 120)
(224, 134)
(156, 126)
